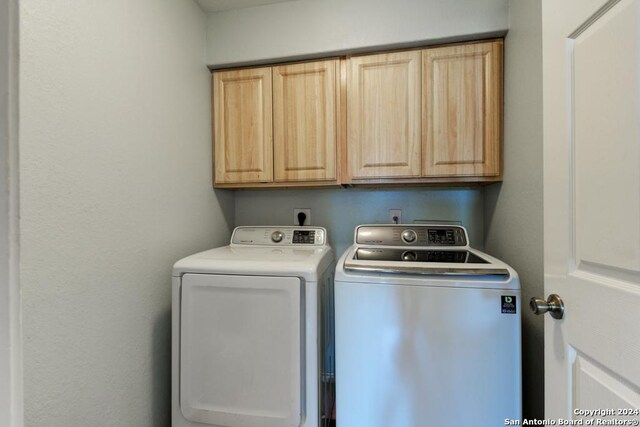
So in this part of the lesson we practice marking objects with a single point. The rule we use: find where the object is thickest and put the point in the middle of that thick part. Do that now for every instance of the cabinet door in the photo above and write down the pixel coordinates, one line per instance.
(305, 100)
(242, 126)
(462, 110)
(383, 103)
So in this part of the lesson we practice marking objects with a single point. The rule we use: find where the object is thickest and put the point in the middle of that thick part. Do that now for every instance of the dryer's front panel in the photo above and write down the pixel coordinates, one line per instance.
(240, 350)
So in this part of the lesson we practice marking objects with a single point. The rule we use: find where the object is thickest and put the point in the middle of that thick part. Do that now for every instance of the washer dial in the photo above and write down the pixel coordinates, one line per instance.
(409, 236)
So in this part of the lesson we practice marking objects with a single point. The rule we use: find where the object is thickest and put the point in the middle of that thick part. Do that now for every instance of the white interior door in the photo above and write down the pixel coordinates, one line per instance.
(592, 206)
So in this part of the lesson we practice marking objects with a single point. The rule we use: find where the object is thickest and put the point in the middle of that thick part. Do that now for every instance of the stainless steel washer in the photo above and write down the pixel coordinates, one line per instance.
(427, 331)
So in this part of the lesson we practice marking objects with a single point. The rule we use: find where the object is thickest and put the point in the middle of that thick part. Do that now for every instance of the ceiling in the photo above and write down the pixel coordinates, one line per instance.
(219, 5)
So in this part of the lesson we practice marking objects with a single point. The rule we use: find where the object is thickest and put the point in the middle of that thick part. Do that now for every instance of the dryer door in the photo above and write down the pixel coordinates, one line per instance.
(240, 350)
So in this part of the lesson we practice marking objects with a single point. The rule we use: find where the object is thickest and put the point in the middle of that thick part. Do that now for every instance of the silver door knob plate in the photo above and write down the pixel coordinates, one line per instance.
(554, 305)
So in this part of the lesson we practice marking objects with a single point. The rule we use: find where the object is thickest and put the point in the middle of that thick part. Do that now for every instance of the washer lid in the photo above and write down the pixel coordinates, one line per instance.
(389, 263)
(419, 255)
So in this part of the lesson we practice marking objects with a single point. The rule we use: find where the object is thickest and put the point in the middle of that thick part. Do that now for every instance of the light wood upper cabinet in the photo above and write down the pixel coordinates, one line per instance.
(305, 99)
(431, 115)
(462, 110)
(242, 116)
(383, 119)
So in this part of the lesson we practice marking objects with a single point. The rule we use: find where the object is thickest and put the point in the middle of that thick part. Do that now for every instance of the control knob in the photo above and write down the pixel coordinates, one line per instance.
(277, 236)
(409, 236)
(409, 256)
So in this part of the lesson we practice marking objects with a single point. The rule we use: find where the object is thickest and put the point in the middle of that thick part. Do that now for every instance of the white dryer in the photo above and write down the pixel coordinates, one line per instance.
(427, 331)
(246, 333)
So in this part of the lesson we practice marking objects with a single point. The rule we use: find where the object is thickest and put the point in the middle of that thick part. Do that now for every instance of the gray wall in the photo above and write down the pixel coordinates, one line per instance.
(313, 27)
(341, 210)
(513, 209)
(10, 357)
(115, 140)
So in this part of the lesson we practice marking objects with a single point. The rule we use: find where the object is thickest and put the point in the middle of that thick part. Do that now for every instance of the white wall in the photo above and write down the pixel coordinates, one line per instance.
(313, 27)
(10, 357)
(513, 209)
(115, 186)
(341, 210)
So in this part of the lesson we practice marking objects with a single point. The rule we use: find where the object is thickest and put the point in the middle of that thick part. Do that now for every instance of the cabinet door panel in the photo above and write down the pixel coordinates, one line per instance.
(383, 102)
(242, 126)
(462, 110)
(305, 99)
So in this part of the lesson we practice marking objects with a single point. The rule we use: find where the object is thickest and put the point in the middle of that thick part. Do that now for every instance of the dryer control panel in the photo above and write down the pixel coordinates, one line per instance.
(279, 236)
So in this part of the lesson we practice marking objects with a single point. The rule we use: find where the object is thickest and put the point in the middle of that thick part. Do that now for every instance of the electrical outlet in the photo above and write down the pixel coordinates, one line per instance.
(306, 211)
(395, 216)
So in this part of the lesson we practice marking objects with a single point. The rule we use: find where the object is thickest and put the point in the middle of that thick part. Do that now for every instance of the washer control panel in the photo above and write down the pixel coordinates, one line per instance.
(279, 236)
(412, 235)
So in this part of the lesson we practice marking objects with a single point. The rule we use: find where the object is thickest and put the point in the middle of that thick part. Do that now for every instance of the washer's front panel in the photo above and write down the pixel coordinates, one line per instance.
(240, 358)
(426, 356)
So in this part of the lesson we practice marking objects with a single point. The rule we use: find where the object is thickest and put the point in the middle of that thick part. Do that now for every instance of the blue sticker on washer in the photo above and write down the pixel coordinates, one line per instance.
(508, 304)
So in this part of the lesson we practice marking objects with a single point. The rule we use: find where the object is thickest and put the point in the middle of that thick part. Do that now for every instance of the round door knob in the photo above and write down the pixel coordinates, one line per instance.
(553, 305)
(409, 236)
(409, 256)
(277, 236)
